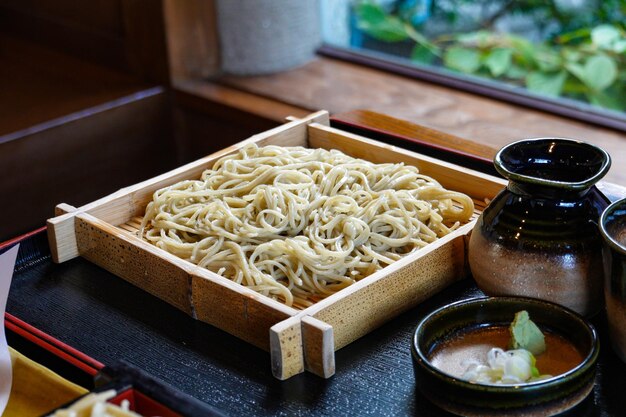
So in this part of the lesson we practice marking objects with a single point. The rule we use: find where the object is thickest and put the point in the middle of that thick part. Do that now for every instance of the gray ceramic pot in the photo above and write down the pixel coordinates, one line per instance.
(267, 36)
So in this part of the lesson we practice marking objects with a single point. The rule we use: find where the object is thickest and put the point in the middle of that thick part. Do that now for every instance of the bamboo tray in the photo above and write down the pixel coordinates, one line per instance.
(104, 232)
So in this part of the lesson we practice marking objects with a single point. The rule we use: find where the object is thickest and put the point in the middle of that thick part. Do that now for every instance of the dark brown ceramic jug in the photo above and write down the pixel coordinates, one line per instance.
(539, 237)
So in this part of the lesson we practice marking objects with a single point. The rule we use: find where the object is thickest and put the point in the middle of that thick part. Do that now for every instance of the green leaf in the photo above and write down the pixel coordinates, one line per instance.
(462, 59)
(600, 72)
(499, 61)
(374, 21)
(564, 38)
(525, 50)
(370, 13)
(422, 54)
(516, 72)
(526, 335)
(576, 70)
(571, 55)
(604, 36)
(547, 84)
(547, 60)
(606, 100)
(481, 38)
(574, 87)
(619, 46)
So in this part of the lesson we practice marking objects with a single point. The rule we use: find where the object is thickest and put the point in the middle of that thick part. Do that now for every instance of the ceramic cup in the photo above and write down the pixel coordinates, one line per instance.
(613, 229)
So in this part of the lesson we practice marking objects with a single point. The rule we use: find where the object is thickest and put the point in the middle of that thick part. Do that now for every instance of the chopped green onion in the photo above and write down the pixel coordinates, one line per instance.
(504, 367)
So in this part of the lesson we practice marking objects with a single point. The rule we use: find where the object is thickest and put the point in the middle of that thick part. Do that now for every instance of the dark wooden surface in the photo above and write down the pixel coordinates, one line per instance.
(192, 41)
(126, 35)
(80, 115)
(200, 134)
(41, 84)
(109, 319)
(83, 157)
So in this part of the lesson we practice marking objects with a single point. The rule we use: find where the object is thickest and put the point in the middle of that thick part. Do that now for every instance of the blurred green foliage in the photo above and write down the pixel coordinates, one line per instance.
(584, 60)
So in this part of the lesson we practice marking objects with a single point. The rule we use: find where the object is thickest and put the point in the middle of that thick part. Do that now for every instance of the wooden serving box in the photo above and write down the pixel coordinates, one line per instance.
(105, 233)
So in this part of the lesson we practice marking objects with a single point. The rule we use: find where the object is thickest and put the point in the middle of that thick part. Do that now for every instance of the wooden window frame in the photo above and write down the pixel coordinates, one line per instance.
(562, 106)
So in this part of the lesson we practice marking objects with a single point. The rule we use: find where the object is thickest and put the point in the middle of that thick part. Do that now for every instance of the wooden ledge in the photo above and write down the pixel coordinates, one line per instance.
(39, 84)
(342, 87)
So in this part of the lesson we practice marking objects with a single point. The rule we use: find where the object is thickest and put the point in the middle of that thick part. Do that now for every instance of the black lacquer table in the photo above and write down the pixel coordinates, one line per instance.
(109, 319)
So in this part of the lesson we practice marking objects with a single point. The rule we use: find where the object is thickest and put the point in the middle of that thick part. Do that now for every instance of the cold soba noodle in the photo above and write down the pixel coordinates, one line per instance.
(299, 224)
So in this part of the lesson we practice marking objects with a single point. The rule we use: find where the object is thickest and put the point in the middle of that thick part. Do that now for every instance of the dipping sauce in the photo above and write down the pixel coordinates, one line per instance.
(452, 355)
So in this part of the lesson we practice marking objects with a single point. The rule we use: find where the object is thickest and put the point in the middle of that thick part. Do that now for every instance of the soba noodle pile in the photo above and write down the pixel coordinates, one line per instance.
(299, 224)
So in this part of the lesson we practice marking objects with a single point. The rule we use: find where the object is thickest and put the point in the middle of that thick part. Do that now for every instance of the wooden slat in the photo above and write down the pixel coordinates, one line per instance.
(235, 308)
(318, 346)
(61, 235)
(161, 274)
(379, 122)
(286, 348)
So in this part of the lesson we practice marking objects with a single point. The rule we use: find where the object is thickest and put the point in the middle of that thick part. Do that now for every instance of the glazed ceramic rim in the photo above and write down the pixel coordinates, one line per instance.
(605, 234)
(588, 361)
(577, 185)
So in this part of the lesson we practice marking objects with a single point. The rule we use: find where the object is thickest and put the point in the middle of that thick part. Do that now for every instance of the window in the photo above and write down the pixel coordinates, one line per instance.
(564, 56)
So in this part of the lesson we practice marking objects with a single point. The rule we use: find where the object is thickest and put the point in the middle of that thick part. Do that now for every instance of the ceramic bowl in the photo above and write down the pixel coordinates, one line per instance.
(546, 397)
(613, 229)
